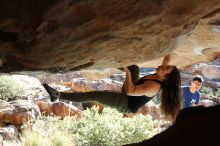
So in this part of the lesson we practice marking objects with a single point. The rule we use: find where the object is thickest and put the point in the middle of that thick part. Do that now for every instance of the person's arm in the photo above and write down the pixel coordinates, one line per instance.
(149, 88)
(166, 59)
(129, 86)
(197, 100)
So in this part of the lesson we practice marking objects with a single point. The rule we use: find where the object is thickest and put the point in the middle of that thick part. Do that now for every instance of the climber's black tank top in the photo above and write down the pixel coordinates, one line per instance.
(135, 102)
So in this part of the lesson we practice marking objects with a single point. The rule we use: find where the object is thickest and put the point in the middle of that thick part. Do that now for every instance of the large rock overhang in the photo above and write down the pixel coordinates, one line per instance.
(67, 35)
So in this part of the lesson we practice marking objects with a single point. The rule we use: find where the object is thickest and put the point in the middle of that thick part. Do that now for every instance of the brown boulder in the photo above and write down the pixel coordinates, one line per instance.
(17, 112)
(58, 108)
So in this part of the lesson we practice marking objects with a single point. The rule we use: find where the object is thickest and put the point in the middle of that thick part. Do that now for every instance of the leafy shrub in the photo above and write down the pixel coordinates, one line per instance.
(110, 128)
(46, 132)
(217, 93)
(9, 88)
(207, 90)
(33, 138)
(94, 129)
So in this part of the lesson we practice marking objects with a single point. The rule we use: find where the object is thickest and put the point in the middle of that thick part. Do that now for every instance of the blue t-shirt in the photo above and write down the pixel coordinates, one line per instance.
(190, 98)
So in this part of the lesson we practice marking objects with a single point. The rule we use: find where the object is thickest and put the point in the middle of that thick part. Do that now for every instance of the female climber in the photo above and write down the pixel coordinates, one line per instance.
(136, 91)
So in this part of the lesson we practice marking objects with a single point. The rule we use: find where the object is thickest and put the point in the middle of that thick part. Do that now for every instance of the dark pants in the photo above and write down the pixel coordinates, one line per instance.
(113, 99)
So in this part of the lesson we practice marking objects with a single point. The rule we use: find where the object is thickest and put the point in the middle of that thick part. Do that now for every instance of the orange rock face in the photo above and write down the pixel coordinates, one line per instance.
(58, 108)
(17, 112)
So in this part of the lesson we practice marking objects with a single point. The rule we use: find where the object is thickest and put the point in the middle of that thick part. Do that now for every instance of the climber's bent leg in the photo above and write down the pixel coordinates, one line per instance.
(109, 98)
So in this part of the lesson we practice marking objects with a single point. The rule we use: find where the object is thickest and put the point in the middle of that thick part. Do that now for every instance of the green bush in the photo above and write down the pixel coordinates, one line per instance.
(94, 129)
(33, 138)
(46, 132)
(217, 93)
(207, 90)
(9, 88)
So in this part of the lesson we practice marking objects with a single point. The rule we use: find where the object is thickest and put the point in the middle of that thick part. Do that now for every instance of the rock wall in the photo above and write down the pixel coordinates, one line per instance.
(71, 35)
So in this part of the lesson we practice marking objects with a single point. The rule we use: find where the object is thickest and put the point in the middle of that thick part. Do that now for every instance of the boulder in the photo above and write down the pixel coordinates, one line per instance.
(9, 132)
(17, 112)
(58, 108)
(193, 126)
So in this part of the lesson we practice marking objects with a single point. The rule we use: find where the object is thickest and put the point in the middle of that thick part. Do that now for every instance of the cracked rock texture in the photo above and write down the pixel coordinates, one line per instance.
(67, 35)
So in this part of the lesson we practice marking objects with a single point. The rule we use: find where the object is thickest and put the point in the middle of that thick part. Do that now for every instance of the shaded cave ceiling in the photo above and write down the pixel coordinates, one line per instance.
(70, 35)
